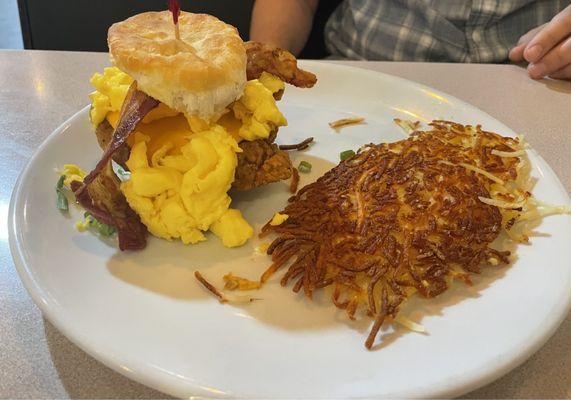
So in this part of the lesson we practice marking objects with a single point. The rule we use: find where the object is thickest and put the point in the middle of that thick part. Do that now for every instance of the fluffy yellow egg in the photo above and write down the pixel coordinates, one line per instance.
(72, 172)
(110, 90)
(182, 193)
(257, 109)
(182, 168)
(232, 228)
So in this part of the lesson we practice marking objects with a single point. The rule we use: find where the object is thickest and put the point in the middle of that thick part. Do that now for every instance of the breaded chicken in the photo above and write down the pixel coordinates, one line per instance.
(279, 62)
(261, 162)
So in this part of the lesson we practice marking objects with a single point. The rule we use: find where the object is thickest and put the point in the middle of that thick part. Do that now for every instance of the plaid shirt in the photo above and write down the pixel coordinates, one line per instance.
(434, 30)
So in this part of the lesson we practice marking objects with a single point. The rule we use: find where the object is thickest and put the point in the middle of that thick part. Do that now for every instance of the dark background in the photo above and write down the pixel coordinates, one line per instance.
(81, 25)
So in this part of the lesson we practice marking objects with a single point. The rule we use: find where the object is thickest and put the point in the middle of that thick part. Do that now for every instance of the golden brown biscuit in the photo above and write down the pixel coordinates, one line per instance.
(198, 74)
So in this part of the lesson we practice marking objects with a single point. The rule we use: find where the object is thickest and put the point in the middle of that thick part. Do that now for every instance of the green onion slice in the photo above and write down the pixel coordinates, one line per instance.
(105, 230)
(346, 154)
(102, 229)
(60, 181)
(304, 167)
(61, 203)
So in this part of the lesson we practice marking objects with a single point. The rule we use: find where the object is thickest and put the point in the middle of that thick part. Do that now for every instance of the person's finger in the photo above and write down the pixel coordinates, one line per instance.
(525, 39)
(516, 54)
(555, 31)
(563, 73)
(553, 61)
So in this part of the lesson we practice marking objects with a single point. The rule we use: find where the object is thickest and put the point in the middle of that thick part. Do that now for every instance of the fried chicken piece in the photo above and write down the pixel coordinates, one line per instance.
(396, 219)
(104, 132)
(261, 162)
(279, 62)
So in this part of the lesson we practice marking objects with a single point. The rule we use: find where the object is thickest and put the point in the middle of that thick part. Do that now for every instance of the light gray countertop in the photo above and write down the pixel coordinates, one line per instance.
(39, 90)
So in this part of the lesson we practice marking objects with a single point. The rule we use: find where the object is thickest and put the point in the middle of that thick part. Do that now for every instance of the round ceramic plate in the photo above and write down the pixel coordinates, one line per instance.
(144, 315)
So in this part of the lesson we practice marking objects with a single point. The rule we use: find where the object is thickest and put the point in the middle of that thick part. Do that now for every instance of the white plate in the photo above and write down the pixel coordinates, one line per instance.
(145, 316)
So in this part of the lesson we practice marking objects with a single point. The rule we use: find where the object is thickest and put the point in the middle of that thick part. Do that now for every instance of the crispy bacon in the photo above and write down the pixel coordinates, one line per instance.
(279, 62)
(137, 104)
(99, 193)
(131, 232)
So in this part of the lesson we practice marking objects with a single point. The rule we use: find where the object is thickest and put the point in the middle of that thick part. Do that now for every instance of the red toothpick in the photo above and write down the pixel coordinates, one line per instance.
(174, 7)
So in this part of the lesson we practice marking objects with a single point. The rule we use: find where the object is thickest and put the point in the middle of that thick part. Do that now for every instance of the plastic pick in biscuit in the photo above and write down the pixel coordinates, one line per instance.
(174, 8)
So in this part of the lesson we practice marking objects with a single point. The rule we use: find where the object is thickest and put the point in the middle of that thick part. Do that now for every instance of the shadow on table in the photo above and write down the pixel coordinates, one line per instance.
(86, 378)
(557, 85)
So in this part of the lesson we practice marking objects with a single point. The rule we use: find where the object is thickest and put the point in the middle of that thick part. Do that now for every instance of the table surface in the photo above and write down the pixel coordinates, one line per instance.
(39, 90)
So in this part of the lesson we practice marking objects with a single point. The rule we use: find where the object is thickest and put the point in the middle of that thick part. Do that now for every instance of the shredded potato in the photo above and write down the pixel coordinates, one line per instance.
(407, 126)
(221, 296)
(410, 325)
(312, 255)
(407, 217)
(233, 282)
(520, 210)
(342, 123)
(482, 172)
(517, 153)
(477, 170)
(500, 203)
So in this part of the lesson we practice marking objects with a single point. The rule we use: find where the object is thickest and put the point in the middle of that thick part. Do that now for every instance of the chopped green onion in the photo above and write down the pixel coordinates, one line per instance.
(103, 229)
(304, 167)
(121, 173)
(59, 184)
(61, 203)
(346, 154)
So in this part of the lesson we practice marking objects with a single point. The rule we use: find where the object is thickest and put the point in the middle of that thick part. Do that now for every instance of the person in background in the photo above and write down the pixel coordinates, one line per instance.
(476, 31)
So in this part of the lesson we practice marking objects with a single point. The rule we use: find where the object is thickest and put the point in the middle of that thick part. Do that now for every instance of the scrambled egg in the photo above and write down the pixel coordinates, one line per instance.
(182, 167)
(110, 91)
(72, 172)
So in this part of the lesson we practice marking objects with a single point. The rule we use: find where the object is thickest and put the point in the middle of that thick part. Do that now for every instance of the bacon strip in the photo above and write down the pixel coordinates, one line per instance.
(97, 194)
(135, 107)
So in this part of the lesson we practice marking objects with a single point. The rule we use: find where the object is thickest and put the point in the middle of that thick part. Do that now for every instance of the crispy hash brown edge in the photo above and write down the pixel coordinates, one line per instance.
(406, 217)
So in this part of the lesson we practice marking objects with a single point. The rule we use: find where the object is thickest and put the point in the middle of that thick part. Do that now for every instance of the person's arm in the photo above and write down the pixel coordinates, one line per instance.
(547, 48)
(283, 23)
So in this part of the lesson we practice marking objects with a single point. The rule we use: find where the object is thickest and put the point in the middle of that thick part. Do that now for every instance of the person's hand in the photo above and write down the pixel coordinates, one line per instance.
(547, 48)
